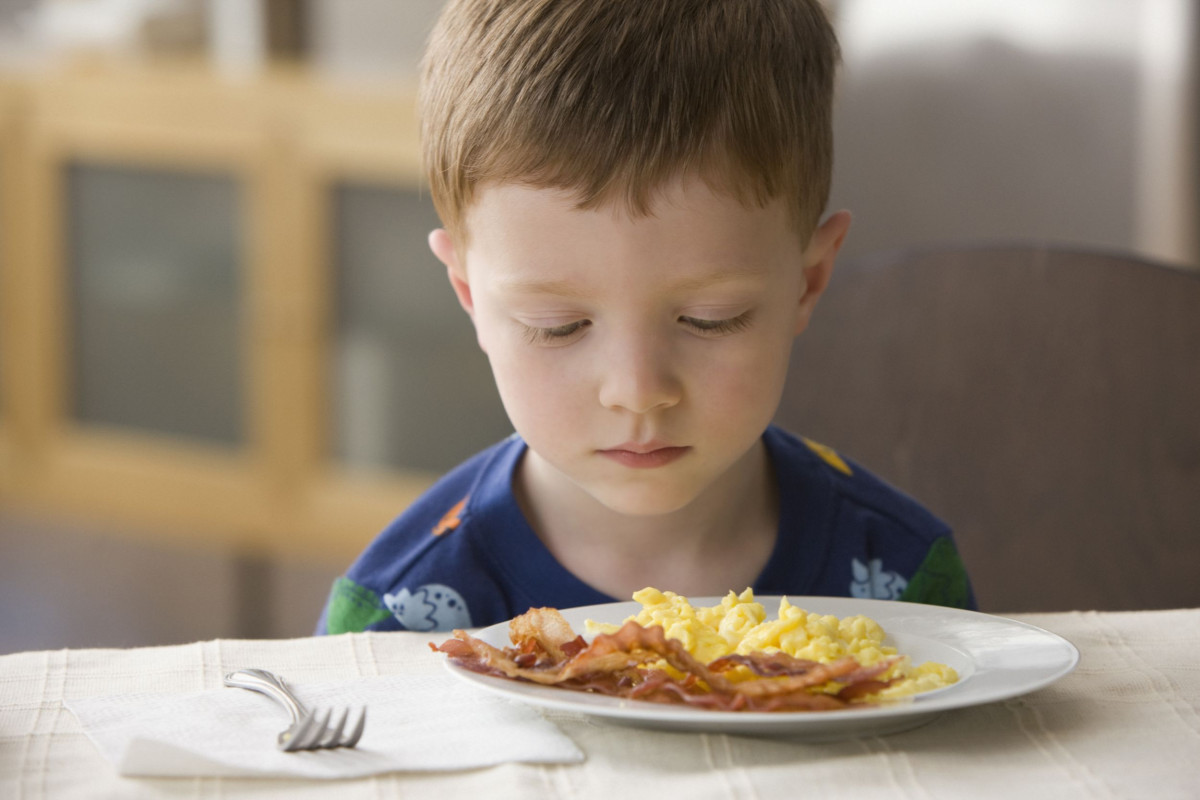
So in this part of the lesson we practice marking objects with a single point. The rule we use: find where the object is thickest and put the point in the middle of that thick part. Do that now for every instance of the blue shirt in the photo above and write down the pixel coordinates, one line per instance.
(464, 555)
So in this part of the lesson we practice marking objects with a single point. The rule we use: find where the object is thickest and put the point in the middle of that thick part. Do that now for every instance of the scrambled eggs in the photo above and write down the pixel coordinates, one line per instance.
(739, 625)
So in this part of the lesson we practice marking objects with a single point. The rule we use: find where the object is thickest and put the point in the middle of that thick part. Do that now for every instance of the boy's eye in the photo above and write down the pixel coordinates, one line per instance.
(717, 327)
(556, 335)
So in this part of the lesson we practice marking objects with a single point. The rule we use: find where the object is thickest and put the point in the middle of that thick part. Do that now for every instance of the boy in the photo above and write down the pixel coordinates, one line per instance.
(631, 193)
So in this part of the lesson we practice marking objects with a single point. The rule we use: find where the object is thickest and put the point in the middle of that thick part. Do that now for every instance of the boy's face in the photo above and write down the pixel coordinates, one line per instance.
(640, 358)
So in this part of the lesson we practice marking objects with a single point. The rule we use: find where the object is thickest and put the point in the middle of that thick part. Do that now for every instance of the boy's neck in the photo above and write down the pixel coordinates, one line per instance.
(719, 542)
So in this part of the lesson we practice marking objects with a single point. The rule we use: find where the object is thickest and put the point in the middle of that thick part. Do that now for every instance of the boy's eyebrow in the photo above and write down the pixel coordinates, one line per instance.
(563, 288)
(723, 275)
(533, 286)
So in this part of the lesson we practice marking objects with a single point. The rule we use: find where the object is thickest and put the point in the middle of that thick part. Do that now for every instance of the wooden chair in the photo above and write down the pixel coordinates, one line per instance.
(1045, 403)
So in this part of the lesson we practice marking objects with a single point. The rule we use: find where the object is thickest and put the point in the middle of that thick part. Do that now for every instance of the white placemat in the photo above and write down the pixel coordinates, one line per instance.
(414, 722)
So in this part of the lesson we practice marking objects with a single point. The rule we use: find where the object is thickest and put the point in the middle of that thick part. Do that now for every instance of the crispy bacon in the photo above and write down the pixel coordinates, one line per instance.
(545, 631)
(626, 663)
(765, 664)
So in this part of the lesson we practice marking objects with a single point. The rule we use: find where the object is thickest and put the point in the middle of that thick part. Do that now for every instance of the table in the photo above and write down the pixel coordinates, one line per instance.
(1126, 723)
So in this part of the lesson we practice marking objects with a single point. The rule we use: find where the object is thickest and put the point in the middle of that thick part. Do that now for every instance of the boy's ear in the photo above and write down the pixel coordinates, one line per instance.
(822, 250)
(443, 247)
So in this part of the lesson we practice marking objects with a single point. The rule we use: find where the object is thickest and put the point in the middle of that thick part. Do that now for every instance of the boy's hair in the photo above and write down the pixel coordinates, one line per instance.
(611, 99)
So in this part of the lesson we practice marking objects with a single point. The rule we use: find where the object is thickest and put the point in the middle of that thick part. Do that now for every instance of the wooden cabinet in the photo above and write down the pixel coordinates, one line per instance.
(219, 321)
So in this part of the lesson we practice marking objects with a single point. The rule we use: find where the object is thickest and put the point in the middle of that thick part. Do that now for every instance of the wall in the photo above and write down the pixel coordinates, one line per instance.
(1071, 121)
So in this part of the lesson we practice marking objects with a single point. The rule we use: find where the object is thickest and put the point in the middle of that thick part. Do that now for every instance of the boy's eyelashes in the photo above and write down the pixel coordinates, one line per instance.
(561, 334)
(719, 327)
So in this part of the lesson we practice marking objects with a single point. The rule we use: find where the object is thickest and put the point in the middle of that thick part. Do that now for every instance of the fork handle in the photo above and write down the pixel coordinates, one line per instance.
(270, 684)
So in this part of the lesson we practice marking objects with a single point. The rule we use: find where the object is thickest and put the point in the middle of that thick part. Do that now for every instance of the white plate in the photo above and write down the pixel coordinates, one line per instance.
(996, 658)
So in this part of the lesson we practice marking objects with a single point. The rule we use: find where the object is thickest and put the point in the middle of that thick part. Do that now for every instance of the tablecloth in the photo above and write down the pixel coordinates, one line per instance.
(1124, 724)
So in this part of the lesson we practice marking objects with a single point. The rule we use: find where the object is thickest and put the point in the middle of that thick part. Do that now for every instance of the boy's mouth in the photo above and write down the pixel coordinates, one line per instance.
(644, 456)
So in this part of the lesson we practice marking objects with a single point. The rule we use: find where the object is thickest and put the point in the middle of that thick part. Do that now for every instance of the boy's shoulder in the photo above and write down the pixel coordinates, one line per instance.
(462, 555)
(851, 483)
(422, 572)
(874, 540)
(443, 506)
(447, 503)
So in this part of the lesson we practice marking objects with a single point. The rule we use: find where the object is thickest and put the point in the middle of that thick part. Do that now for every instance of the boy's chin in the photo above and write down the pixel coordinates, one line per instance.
(643, 501)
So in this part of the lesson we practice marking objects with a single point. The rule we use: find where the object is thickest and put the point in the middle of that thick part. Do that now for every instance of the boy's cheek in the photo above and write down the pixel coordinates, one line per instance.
(521, 375)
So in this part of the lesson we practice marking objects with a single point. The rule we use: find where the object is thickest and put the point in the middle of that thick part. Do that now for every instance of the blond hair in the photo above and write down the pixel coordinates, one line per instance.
(610, 99)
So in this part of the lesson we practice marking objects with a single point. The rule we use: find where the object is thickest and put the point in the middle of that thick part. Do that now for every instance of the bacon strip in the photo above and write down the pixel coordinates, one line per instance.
(765, 664)
(547, 629)
(624, 664)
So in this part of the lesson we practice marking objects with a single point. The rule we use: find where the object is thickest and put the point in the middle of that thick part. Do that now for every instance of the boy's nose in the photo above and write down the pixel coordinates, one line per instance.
(640, 379)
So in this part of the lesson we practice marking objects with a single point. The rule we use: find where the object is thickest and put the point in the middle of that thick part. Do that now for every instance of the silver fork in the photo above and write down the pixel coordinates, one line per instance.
(309, 730)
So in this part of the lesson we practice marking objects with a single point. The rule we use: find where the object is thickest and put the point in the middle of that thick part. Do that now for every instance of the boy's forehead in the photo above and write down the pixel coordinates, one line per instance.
(538, 240)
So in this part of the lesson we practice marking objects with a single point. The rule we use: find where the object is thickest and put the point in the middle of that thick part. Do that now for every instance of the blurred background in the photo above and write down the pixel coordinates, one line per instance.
(227, 358)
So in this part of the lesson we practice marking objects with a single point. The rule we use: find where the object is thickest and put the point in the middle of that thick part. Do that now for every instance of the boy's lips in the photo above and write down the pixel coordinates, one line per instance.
(645, 455)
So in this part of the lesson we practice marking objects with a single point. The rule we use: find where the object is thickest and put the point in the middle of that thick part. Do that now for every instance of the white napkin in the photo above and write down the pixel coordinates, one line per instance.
(421, 722)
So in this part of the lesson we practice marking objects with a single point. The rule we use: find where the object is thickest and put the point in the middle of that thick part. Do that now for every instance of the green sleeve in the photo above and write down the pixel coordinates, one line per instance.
(941, 580)
(352, 608)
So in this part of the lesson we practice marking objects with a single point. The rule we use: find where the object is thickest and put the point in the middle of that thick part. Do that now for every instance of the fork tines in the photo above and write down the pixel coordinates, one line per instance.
(311, 733)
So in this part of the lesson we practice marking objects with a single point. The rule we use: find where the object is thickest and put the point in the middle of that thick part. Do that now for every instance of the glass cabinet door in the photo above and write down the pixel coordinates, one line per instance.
(412, 390)
(156, 301)
(4, 250)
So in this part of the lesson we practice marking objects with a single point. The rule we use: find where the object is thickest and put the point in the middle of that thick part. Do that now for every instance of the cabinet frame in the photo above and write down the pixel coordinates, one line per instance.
(287, 140)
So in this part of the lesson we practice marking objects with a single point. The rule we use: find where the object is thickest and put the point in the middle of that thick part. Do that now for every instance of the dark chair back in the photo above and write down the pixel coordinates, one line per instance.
(1045, 403)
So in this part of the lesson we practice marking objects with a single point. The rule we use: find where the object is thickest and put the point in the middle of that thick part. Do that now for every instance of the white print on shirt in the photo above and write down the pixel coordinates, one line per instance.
(873, 582)
(432, 607)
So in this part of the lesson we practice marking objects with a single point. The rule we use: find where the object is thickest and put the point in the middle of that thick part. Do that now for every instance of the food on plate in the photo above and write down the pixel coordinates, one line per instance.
(739, 625)
(726, 657)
